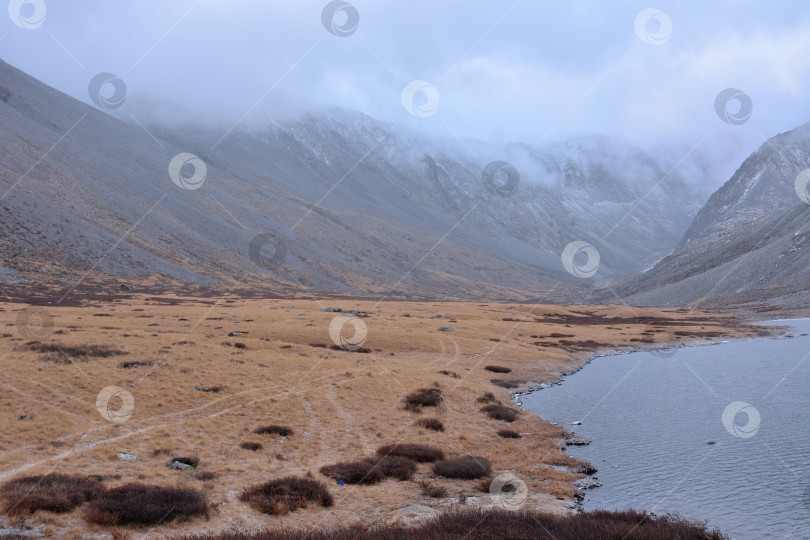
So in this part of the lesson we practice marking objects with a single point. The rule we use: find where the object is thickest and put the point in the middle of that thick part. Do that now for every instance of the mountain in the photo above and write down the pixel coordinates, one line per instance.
(335, 201)
(748, 244)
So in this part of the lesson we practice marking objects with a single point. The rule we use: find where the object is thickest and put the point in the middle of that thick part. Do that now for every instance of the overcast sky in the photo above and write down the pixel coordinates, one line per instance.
(525, 71)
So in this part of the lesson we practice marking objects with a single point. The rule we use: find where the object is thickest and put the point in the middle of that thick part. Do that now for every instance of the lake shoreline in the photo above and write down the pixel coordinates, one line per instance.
(573, 439)
(664, 439)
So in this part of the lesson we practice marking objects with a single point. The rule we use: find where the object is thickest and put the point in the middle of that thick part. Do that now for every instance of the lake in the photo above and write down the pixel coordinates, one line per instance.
(719, 433)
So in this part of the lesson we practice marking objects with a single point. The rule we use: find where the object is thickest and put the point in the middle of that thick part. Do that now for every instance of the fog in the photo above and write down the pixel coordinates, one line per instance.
(527, 71)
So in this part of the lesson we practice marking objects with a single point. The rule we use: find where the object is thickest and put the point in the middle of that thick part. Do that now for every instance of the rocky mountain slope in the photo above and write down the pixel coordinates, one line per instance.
(749, 243)
(334, 201)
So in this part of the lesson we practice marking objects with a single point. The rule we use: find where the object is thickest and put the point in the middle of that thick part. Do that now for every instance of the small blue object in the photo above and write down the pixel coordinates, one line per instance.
(340, 482)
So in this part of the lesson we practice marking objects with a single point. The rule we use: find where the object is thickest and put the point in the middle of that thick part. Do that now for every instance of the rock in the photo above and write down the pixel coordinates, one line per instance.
(124, 287)
(351, 313)
(237, 333)
(179, 466)
(331, 309)
(572, 439)
(406, 315)
(26, 417)
(21, 530)
(126, 457)
(587, 483)
(446, 329)
(586, 468)
(437, 316)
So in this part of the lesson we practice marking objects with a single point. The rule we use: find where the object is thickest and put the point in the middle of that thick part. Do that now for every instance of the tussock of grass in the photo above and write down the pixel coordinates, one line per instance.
(416, 452)
(145, 505)
(498, 369)
(489, 397)
(467, 467)
(424, 397)
(430, 489)
(497, 523)
(284, 495)
(509, 434)
(354, 472)
(284, 431)
(430, 423)
(500, 412)
(52, 492)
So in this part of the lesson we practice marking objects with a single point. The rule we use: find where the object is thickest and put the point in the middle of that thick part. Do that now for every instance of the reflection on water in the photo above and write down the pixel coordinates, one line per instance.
(718, 433)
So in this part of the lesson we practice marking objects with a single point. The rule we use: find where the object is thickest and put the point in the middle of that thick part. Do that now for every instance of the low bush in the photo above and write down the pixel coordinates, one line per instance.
(144, 504)
(248, 445)
(478, 524)
(424, 397)
(509, 434)
(432, 490)
(397, 467)
(500, 412)
(416, 452)
(354, 472)
(430, 423)
(284, 431)
(498, 369)
(52, 492)
(284, 495)
(489, 397)
(467, 467)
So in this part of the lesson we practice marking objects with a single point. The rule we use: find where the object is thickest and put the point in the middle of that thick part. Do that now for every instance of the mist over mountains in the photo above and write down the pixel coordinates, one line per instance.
(339, 202)
(360, 206)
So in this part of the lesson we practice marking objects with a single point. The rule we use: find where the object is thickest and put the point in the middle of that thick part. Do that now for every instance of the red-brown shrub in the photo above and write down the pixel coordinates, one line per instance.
(354, 472)
(467, 467)
(145, 505)
(497, 523)
(52, 492)
(397, 467)
(424, 397)
(430, 423)
(284, 495)
(500, 412)
(498, 369)
(432, 490)
(416, 452)
(284, 431)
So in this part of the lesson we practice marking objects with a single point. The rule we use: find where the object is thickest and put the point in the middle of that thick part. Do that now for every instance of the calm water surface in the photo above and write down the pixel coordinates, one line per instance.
(661, 444)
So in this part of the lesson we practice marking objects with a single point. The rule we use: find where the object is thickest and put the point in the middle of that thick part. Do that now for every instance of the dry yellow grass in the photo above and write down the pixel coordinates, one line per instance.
(341, 405)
